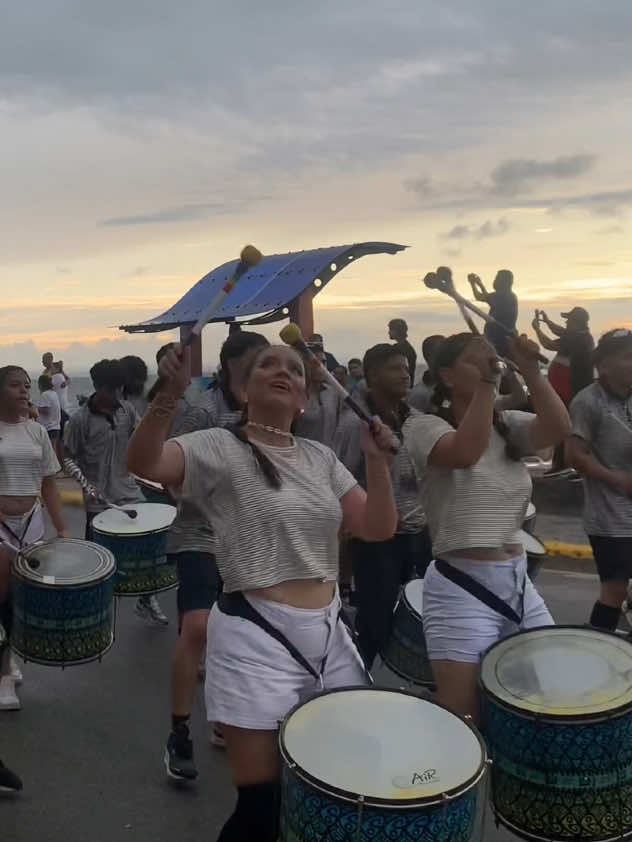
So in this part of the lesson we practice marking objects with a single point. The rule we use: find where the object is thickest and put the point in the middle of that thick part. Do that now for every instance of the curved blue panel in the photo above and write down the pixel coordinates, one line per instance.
(271, 285)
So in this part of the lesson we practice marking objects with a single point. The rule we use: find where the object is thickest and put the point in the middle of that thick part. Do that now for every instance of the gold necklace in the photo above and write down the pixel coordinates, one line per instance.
(269, 429)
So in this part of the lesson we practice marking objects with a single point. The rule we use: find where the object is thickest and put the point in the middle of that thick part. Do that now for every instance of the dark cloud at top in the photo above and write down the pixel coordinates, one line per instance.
(185, 213)
(520, 174)
(478, 232)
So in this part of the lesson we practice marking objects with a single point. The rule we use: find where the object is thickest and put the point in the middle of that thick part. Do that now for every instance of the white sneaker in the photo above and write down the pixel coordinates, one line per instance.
(14, 670)
(8, 698)
(149, 609)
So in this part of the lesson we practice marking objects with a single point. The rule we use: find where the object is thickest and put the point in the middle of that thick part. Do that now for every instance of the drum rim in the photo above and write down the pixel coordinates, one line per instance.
(404, 598)
(558, 718)
(530, 552)
(136, 534)
(63, 664)
(62, 584)
(375, 801)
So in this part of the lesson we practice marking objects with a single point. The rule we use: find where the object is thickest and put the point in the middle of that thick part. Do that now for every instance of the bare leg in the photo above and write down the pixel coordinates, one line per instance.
(6, 557)
(186, 658)
(253, 755)
(613, 593)
(457, 687)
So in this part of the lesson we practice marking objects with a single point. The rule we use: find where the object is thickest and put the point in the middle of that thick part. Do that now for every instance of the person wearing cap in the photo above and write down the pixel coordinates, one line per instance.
(398, 332)
(600, 448)
(315, 343)
(572, 368)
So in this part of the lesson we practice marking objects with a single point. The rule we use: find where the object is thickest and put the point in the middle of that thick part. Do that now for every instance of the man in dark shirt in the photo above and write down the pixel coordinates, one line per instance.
(398, 332)
(503, 306)
(315, 343)
(572, 368)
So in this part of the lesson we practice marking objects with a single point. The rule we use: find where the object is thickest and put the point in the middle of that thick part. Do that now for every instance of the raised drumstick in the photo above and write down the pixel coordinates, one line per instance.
(291, 334)
(76, 473)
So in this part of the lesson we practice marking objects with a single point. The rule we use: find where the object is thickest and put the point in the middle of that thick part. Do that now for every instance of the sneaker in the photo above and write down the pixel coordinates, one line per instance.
(8, 699)
(149, 609)
(216, 735)
(9, 781)
(179, 756)
(14, 670)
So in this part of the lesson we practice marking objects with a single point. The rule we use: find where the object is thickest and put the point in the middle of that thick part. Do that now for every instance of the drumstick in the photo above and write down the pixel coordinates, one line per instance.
(249, 257)
(445, 284)
(76, 473)
(292, 336)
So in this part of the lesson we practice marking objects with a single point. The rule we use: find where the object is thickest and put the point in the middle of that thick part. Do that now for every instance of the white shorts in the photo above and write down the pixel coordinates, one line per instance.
(459, 627)
(252, 681)
(22, 531)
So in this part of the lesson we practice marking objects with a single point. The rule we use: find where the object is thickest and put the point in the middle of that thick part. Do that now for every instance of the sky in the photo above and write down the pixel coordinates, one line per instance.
(144, 142)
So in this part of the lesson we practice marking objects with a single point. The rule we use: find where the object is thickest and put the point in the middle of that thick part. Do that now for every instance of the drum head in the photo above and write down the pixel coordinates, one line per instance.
(414, 593)
(152, 517)
(531, 544)
(65, 562)
(560, 671)
(385, 745)
(530, 511)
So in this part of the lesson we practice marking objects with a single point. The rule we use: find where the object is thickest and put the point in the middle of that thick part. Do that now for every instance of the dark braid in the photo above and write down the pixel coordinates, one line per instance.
(267, 467)
(441, 394)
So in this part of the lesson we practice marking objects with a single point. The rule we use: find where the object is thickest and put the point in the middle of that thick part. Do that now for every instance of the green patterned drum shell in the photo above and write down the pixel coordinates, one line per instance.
(63, 606)
(558, 720)
(139, 547)
(363, 764)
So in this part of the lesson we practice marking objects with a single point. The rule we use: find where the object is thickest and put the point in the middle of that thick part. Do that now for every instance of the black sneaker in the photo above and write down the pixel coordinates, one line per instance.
(9, 781)
(179, 756)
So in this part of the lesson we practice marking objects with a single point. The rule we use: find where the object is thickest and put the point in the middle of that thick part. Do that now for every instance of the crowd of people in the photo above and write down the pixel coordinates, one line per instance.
(289, 505)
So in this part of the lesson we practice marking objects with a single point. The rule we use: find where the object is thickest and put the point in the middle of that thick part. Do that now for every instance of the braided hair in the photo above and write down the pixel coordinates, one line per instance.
(265, 464)
(446, 355)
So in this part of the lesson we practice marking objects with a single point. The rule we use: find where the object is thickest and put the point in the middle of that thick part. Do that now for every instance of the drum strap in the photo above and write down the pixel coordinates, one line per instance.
(25, 528)
(469, 584)
(236, 605)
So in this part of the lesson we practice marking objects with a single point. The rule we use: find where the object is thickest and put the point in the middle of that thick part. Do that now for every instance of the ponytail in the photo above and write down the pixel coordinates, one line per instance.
(266, 466)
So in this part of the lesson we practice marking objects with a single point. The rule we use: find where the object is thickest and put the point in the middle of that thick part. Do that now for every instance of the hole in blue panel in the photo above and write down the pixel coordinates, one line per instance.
(318, 283)
(333, 267)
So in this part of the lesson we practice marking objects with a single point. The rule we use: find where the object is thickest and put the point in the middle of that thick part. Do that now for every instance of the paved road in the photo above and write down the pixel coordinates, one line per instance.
(89, 740)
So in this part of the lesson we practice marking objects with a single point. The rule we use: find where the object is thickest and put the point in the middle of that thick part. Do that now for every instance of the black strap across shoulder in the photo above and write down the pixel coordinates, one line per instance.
(236, 605)
(469, 584)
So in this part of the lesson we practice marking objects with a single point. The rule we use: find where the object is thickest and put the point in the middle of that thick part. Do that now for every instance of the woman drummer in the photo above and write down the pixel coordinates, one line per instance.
(475, 491)
(27, 472)
(276, 504)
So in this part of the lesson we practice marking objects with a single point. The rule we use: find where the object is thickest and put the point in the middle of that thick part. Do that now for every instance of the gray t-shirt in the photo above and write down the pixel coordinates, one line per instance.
(603, 422)
(321, 416)
(347, 446)
(98, 444)
(481, 506)
(190, 531)
(265, 536)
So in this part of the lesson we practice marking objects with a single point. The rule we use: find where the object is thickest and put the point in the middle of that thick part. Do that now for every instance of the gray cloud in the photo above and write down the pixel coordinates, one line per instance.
(519, 174)
(489, 228)
(609, 230)
(184, 213)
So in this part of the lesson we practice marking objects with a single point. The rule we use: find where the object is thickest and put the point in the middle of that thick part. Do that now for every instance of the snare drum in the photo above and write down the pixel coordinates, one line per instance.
(529, 519)
(363, 764)
(153, 492)
(406, 653)
(535, 551)
(558, 720)
(62, 595)
(139, 547)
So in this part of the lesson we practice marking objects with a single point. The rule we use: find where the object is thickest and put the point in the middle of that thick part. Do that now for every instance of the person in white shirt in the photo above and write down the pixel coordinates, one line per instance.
(50, 412)
(475, 490)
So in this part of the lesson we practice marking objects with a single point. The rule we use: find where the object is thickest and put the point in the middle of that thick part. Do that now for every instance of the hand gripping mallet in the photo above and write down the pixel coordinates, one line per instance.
(292, 336)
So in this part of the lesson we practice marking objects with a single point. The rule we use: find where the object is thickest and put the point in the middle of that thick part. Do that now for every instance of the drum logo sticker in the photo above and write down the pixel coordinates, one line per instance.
(428, 776)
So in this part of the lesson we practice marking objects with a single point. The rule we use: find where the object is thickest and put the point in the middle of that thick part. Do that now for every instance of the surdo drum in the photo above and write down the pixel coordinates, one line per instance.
(558, 720)
(63, 605)
(406, 653)
(535, 552)
(153, 492)
(364, 764)
(139, 547)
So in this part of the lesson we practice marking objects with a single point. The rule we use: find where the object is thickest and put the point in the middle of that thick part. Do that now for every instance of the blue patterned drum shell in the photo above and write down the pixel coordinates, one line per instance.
(562, 756)
(405, 653)
(139, 547)
(392, 746)
(63, 602)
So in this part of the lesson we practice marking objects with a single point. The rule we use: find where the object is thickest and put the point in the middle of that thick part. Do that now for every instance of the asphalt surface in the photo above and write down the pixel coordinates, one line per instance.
(89, 740)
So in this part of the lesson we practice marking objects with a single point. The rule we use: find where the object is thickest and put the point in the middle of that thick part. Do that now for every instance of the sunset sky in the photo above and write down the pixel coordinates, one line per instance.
(144, 143)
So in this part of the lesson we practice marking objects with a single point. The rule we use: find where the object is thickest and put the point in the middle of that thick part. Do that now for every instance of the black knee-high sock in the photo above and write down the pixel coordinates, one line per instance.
(6, 616)
(604, 616)
(256, 815)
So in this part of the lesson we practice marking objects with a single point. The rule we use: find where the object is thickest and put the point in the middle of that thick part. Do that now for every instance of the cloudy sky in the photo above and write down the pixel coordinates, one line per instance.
(143, 142)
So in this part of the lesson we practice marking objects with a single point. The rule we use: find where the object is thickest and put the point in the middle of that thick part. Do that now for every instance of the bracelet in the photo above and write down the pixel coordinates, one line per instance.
(163, 406)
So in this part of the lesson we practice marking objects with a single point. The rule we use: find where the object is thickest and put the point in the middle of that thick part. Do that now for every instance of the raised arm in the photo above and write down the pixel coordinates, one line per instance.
(372, 515)
(543, 339)
(478, 288)
(552, 423)
(150, 455)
